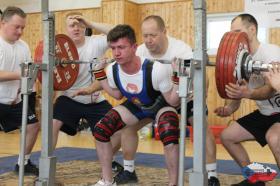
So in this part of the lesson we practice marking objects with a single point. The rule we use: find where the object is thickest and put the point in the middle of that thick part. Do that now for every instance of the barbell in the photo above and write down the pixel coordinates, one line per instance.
(66, 62)
(234, 62)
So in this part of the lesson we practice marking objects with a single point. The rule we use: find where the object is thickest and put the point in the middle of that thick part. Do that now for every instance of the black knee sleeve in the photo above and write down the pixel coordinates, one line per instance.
(168, 124)
(107, 126)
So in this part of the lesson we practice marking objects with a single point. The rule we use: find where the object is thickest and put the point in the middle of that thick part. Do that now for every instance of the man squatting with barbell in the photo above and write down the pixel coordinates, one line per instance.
(262, 125)
(157, 103)
(158, 45)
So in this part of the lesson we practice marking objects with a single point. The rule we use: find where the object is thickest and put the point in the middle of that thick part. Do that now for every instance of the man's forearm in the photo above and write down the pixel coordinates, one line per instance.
(172, 97)
(9, 76)
(102, 27)
(95, 86)
(264, 92)
(115, 93)
(233, 105)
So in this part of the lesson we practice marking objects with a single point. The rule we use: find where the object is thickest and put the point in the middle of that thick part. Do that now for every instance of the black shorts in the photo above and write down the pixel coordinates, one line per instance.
(70, 112)
(258, 124)
(31, 102)
(11, 115)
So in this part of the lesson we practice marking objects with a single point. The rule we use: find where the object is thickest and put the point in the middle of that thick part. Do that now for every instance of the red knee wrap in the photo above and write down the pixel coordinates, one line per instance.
(107, 126)
(168, 124)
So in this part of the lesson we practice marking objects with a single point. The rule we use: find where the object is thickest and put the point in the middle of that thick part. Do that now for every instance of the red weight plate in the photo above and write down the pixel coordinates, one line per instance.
(224, 65)
(64, 76)
(229, 67)
(219, 62)
(226, 59)
(219, 71)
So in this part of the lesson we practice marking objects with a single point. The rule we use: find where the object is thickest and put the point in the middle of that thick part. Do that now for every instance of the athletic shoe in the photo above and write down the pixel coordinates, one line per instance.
(116, 167)
(125, 177)
(258, 172)
(213, 181)
(29, 169)
(102, 182)
(247, 183)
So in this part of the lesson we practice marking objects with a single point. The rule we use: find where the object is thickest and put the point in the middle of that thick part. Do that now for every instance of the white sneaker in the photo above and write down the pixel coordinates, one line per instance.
(102, 182)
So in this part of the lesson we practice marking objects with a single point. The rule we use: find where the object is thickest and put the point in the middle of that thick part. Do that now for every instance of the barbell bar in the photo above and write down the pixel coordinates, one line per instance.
(66, 62)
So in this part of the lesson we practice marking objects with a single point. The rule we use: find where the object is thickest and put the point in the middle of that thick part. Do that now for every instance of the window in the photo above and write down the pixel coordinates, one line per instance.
(218, 24)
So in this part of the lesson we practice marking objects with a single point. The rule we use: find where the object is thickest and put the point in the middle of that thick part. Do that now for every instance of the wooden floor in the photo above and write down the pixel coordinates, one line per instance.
(9, 143)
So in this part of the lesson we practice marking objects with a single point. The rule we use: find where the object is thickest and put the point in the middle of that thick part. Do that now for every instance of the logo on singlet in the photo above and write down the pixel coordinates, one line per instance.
(131, 88)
